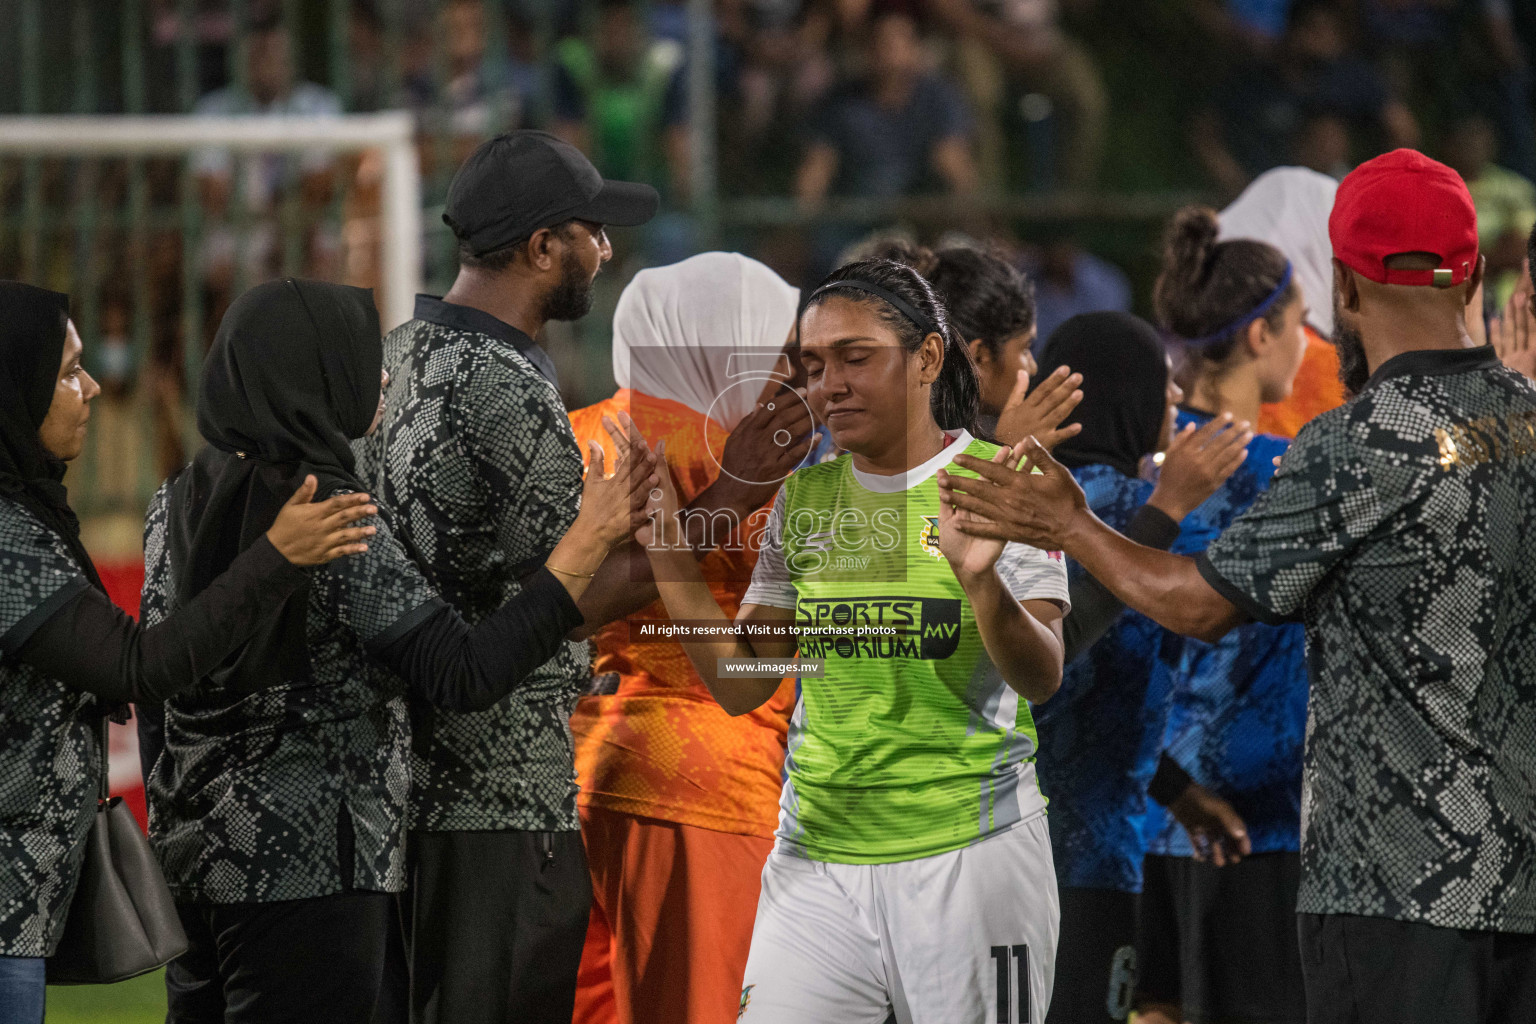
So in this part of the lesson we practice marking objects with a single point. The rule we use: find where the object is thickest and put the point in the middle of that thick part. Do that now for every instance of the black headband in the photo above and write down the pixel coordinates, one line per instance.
(924, 324)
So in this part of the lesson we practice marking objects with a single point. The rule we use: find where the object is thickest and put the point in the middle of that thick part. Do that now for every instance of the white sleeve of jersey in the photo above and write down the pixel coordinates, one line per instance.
(1034, 575)
(771, 584)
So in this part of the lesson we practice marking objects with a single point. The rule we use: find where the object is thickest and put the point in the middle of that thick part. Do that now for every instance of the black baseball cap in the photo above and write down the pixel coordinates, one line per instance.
(520, 182)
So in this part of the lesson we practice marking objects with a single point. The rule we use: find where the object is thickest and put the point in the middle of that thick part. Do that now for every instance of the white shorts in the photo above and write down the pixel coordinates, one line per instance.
(966, 937)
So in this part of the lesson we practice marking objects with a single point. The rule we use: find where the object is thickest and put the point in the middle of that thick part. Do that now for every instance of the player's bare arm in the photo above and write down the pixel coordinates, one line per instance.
(688, 599)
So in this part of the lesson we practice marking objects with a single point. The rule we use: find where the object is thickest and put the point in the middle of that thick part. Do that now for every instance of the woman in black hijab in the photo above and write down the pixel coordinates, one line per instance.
(69, 655)
(1100, 736)
(279, 815)
(1127, 390)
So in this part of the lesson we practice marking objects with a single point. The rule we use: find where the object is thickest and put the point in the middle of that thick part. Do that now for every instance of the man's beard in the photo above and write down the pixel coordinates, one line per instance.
(1354, 371)
(571, 299)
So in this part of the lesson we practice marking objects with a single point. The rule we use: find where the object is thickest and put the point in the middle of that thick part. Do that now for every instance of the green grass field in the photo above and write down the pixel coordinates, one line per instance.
(140, 1001)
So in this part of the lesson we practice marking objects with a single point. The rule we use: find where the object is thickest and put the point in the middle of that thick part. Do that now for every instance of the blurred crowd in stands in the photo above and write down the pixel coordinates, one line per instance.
(885, 99)
(878, 99)
(817, 101)
(882, 98)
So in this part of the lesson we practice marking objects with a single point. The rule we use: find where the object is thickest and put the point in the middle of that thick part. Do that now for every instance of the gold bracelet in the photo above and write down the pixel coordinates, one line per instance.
(567, 572)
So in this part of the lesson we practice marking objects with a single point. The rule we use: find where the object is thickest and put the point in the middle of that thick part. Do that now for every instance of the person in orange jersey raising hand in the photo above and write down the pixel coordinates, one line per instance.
(678, 798)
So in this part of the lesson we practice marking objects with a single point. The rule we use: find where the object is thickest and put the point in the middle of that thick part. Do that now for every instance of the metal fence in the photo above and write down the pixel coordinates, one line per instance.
(152, 246)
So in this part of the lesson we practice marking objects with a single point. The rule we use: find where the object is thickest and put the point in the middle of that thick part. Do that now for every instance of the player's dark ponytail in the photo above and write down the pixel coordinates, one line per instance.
(1208, 287)
(956, 397)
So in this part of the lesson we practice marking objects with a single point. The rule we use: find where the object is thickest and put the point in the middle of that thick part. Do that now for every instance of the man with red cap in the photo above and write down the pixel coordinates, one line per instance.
(1396, 530)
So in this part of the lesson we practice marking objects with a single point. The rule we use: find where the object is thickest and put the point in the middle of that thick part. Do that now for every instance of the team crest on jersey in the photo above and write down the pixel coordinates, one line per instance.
(1055, 556)
(930, 536)
(746, 1001)
(821, 540)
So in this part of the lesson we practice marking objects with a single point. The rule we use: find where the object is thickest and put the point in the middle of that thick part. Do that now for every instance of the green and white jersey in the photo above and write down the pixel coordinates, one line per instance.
(911, 744)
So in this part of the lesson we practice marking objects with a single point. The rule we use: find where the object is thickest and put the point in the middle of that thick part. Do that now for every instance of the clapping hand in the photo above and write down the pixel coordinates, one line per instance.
(1197, 463)
(967, 554)
(1513, 332)
(1040, 412)
(1035, 508)
(768, 444)
(614, 504)
(660, 530)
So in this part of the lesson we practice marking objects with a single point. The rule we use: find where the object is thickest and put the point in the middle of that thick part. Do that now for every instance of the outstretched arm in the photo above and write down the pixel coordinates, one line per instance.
(689, 601)
(1048, 510)
(446, 663)
(90, 644)
(1195, 465)
(1095, 608)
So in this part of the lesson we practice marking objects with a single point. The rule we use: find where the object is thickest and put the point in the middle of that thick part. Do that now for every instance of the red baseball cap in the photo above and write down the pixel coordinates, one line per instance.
(1400, 202)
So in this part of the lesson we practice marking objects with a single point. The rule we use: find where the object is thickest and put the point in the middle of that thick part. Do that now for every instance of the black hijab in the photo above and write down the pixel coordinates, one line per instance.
(32, 334)
(292, 378)
(1125, 388)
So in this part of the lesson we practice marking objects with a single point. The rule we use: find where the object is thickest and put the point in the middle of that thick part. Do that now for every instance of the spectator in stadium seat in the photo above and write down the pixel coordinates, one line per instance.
(1505, 85)
(899, 130)
(1257, 111)
(1505, 202)
(264, 182)
(895, 132)
(1070, 281)
(479, 95)
(1260, 24)
(366, 61)
(1039, 59)
(784, 70)
(621, 97)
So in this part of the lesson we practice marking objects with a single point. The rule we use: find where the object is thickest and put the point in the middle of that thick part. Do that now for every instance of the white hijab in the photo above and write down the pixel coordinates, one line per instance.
(1288, 207)
(693, 331)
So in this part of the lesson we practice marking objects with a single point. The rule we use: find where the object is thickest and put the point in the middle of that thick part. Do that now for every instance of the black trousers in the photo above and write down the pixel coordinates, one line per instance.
(1372, 970)
(493, 926)
(1095, 957)
(294, 962)
(1221, 942)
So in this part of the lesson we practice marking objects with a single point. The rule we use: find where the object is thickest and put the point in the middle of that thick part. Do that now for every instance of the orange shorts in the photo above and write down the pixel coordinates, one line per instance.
(672, 912)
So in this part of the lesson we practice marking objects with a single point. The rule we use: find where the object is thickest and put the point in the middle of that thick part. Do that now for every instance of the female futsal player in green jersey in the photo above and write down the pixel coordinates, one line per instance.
(911, 874)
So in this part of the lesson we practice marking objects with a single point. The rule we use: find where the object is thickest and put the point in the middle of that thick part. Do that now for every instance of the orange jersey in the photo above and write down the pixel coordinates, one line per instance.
(1317, 389)
(660, 746)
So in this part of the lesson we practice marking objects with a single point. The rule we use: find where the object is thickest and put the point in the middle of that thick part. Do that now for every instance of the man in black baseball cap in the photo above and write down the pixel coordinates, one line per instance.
(477, 456)
(517, 183)
(529, 212)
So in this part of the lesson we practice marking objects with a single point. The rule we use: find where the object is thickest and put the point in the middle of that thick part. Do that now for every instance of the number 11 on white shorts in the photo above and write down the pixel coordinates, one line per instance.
(1012, 965)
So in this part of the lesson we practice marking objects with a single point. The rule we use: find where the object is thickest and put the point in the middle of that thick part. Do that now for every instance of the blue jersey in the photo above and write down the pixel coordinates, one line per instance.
(1101, 733)
(1238, 712)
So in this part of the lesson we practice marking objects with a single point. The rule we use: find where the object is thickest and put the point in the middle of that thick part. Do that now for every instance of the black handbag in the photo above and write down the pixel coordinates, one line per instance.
(122, 922)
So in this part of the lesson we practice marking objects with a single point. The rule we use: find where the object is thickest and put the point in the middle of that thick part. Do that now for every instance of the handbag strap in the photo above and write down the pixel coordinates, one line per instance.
(104, 793)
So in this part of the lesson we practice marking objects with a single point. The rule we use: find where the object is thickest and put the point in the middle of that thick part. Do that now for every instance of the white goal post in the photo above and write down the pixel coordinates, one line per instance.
(391, 132)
